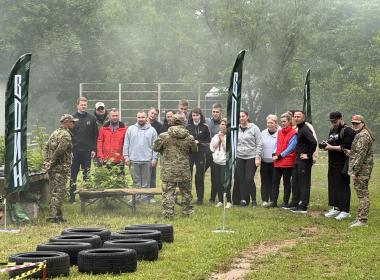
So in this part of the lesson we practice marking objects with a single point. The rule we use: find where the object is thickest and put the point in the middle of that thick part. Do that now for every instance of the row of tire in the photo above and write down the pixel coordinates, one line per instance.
(97, 250)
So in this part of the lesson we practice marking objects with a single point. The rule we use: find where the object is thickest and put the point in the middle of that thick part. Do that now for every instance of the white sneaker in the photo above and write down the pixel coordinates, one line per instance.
(219, 204)
(265, 204)
(332, 213)
(343, 215)
(228, 205)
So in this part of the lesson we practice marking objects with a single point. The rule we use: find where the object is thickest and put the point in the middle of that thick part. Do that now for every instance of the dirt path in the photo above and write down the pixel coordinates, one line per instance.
(241, 265)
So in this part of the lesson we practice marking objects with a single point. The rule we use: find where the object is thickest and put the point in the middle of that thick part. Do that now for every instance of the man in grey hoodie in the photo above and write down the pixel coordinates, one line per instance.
(138, 152)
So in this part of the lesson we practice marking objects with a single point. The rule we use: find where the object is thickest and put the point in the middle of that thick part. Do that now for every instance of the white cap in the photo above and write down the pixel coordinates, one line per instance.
(99, 104)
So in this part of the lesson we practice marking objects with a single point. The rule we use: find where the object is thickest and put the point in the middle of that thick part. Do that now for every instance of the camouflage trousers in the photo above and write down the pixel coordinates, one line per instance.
(361, 188)
(168, 198)
(57, 190)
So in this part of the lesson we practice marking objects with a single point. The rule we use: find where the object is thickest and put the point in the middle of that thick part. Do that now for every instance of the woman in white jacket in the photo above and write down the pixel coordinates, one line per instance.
(218, 149)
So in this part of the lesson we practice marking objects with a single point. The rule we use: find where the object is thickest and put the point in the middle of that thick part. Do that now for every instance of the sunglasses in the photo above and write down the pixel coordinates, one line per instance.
(100, 109)
(355, 123)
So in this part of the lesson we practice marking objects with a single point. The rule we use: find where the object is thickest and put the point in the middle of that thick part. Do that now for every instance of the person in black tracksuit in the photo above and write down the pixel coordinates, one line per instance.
(301, 177)
(201, 133)
(84, 138)
(339, 193)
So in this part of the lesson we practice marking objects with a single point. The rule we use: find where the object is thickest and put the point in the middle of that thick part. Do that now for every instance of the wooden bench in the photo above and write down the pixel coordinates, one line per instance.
(88, 197)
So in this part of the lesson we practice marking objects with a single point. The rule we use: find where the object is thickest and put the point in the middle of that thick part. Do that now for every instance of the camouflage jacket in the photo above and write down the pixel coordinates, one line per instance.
(175, 146)
(58, 150)
(361, 155)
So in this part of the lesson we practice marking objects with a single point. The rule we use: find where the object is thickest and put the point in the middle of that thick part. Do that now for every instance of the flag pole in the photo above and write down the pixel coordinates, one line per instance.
(233, 113)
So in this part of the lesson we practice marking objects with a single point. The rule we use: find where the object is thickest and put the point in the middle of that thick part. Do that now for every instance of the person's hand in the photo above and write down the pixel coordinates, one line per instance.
(347, 152)
(47, 165)
(101, 160)
(93, 153)
(354, 177)
(196, 141)
(127, 162)
(257, 162)
(328, 146)
(153, 163)
(275, 158)
(304, 156)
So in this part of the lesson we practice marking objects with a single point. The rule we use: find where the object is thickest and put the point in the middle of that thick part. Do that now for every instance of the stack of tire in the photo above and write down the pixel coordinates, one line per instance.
(97, 250)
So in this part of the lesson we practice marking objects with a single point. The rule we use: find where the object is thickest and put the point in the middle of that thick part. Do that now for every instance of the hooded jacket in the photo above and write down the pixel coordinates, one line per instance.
(200, 132)
(138, 143)
(110, 143)
(175, 146)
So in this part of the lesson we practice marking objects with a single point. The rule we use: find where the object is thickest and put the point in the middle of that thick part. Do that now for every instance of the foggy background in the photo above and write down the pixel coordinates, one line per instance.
(195, 42)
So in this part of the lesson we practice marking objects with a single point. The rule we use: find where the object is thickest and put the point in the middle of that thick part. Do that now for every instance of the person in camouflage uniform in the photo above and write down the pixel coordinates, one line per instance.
(360, 166)
(57, 161)
(175, 146)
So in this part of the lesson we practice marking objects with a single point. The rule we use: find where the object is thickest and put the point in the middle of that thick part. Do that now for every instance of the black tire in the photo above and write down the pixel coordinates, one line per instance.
(146, 249)
(104, 233)
(107, 260)
(57, 263)
(71, 248)
(94, 240)
(166, 230)
(139, 234)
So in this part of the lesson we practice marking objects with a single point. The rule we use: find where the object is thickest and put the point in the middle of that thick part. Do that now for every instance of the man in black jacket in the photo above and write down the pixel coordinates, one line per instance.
(301, 181)
(84, 138)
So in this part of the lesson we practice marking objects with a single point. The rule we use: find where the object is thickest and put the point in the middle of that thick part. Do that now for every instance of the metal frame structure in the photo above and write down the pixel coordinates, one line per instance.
(134, 97)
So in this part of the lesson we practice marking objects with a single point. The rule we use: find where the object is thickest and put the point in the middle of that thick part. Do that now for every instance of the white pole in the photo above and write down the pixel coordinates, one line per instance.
(5, 213)
(159, 100)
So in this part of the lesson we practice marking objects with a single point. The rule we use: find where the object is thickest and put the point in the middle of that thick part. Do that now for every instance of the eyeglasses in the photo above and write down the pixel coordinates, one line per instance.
(100, 109)
(355, 123)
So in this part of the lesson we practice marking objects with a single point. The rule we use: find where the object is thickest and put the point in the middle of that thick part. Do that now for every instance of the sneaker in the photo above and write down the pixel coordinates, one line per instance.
(343, 215)
(152, 201)
(229, 205)
(300, 210)
(265, 204)
(332, 213)
(219, 204)
(284, 205)
(243, 203)
(254, 204)
(357, 223)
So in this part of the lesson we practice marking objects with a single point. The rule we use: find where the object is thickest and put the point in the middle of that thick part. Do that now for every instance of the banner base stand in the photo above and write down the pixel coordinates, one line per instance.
(10, 230)
(223, 231)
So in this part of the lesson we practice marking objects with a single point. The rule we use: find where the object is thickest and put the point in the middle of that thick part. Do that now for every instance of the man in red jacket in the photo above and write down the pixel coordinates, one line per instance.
(111, 140)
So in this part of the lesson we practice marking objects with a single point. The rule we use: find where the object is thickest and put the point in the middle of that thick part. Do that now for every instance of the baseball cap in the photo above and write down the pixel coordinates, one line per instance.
(357, 119)
(335, 115)
(99, 104)
(68, 117)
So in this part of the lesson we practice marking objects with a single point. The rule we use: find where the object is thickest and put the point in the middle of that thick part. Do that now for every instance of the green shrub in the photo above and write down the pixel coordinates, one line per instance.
(107, 176)
(35, 151)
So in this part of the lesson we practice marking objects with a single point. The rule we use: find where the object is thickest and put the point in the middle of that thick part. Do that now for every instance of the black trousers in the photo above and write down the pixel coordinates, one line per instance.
(266, 174)
(246, 170)
(339, 189)
(199, 160)
(214, 181)
(81, 159)
(219, 171)
(301, 182)
(286, 174)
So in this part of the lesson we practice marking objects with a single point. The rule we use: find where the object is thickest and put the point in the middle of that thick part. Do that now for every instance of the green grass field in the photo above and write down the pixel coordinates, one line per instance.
(324, 248)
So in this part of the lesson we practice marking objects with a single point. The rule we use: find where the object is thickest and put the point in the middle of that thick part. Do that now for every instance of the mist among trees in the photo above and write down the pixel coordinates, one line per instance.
(114, 41)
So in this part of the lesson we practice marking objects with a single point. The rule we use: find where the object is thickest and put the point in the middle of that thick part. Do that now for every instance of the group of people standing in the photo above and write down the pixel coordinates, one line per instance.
(187, 139)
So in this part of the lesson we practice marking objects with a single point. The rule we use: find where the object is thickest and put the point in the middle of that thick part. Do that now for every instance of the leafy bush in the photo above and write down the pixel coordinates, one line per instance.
(107, 176)
(35, 150)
